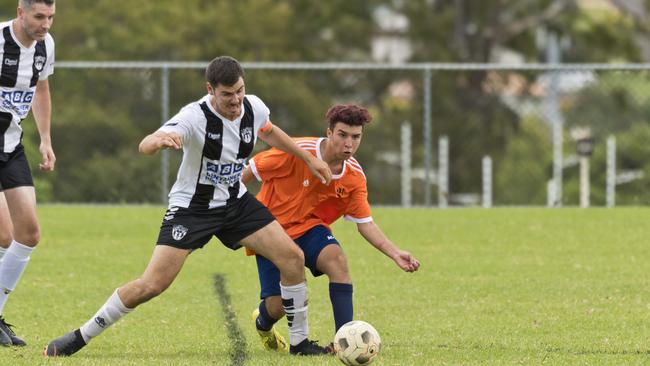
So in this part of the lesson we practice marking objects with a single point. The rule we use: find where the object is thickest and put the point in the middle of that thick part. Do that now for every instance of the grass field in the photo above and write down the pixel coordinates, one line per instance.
(497, 287)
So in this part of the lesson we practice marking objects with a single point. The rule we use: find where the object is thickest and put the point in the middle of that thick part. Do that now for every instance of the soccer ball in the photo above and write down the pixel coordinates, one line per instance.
(357, 343)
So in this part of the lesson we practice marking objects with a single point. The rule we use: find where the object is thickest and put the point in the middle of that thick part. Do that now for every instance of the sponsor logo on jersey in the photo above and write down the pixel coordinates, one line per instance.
(17, 101)
(247, 134)
(330, 237)
(339, 192)
(178, 232)
(11, 62)
(219, 174)
(39, 62)
(305, 183)
(100, 321)
(214, 136)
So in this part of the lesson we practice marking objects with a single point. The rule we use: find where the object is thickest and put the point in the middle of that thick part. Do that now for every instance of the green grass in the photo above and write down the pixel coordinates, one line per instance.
(500, 287)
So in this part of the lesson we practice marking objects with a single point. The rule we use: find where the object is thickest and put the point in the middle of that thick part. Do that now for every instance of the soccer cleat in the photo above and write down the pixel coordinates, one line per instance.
(308, 348)
(271, 339)
(4, 339)
(5, 328)
(66, 345)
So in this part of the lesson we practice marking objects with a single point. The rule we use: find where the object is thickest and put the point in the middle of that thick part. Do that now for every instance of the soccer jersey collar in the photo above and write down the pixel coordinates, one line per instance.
(320, 156)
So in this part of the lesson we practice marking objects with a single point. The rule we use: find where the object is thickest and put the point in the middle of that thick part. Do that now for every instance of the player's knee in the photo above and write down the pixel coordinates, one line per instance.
(31, 237)
(5, 238)
(337, 269)
(340, 263)
(295, 257)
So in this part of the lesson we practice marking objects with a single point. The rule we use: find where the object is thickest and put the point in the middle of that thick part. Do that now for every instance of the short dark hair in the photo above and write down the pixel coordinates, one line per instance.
(350, 114)
(223, 70)
(29, 3)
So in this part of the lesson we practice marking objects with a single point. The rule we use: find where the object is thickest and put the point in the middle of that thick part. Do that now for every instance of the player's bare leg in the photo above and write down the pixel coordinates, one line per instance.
(18, 213)
(5, 240)
(165, 264)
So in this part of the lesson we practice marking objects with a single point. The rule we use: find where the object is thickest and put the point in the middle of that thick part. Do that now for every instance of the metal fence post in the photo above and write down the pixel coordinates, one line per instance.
(406, 163)
(553, 57)
(611, 171)
(487, 181)
(427, 137)
(164, 156)
(443, 171)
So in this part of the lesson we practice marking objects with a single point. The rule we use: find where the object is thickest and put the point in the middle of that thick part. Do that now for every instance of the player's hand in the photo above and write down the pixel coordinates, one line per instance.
(406, 261)
(47, 165)
(170, 140)
(320, 170)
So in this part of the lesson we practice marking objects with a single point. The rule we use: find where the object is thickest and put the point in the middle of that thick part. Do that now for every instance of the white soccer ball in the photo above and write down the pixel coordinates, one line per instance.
(357, 343)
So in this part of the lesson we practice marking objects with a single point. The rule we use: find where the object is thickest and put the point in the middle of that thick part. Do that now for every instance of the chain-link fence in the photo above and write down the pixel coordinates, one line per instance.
(511, 132)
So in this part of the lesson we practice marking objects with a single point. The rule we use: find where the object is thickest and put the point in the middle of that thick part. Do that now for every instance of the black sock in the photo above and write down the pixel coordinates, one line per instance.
(264, 321)
(341, 298)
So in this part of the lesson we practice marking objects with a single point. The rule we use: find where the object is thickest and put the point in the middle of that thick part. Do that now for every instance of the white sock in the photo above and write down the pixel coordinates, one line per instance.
(112, 311)
(2, 253)
(12, 267)
(294, 301)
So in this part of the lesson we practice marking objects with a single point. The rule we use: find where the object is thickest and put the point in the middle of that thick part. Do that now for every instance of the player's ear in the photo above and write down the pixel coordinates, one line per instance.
(209, 88)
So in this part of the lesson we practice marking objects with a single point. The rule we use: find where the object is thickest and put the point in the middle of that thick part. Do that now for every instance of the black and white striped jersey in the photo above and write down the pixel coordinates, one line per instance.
(215, 151)
(21, 69)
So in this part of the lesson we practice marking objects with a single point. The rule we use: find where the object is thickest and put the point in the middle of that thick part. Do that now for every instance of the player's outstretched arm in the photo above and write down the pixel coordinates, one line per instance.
(42, 110)
(151, 144)
(275, 137)
(373, 234)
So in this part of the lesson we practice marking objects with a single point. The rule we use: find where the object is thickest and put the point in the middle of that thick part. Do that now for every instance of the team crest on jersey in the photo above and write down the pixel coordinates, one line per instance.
(247, 134)
(178, 232)
(39, 62)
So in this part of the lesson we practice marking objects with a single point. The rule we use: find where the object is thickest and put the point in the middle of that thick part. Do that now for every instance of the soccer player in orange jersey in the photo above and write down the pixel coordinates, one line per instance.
(305, 208)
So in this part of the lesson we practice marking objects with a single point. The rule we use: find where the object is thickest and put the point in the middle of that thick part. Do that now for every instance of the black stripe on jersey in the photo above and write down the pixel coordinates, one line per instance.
(40, 58)
(213, 134)
(246, 131)
(10, 60)
(212, 147)
(5, 122)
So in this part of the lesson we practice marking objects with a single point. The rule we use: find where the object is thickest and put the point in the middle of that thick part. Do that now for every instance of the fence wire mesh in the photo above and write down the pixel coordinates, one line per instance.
(525, 118)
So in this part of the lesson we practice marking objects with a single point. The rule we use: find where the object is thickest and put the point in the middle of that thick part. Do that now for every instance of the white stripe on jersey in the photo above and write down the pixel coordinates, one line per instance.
(16, 89)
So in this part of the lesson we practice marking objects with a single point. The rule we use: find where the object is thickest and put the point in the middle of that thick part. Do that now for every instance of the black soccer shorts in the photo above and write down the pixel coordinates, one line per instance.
(14, 170)
(186, 228)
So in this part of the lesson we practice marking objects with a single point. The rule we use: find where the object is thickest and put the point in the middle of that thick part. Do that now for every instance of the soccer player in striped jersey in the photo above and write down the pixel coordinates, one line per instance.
(27, 59)
(217, 134)
(306, 208)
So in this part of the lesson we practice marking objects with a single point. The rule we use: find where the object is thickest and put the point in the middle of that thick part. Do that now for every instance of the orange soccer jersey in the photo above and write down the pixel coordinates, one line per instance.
(299, 200)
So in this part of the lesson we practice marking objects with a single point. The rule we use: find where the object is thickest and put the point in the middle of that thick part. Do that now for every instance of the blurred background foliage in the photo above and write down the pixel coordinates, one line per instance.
(100, 115)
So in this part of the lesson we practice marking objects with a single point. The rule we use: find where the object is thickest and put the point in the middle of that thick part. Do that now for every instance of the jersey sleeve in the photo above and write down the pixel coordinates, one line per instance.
(180, 123)
(358, 208)
(270, 164)
(262, 113)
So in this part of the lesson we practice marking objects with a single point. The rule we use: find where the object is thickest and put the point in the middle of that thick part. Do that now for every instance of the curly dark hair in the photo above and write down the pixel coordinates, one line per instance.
(350, 114)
